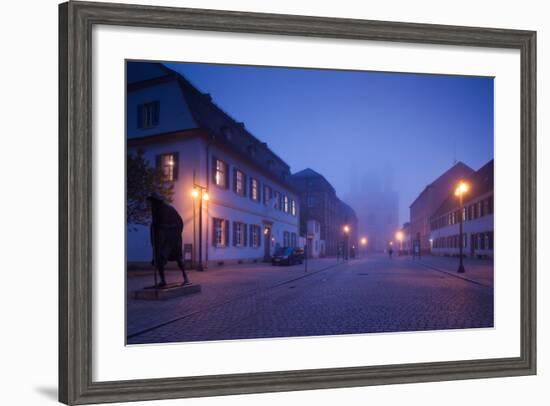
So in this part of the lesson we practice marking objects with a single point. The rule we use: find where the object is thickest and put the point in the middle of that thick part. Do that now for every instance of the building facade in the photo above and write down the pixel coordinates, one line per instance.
(319, 202)
(430, 199)
(233, 193)
(477, 216)
(314, 244)
(377, 203)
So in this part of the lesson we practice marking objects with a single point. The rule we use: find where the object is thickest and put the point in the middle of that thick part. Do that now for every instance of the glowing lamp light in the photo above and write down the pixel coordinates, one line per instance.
(399, 236)
(364, 241)
(462, 188)
(205, 196)
(195, 193)
(346, 229)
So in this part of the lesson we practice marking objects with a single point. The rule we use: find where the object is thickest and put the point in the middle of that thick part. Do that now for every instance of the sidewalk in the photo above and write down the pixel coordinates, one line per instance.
(480, 271)
(219, 285)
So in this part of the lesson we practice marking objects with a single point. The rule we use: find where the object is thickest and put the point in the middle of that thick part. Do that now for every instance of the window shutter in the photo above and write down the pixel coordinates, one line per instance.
(245, 229)
(259, 191)
(226, 232)
(214, 226)
(158, 161)
(176, 165)
(251, 241)
(244, 184)
(140, 116)
(234, 179)
(214, 159)
(260, 236)
(226, 175)
(234, 233)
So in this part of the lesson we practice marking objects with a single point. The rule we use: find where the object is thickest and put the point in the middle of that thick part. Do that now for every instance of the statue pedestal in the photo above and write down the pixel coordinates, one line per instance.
(166, 292)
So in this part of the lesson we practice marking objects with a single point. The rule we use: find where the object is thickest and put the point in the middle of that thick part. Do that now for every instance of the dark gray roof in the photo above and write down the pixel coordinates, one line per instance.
(444, 177)
(223, 129)
(480, 182)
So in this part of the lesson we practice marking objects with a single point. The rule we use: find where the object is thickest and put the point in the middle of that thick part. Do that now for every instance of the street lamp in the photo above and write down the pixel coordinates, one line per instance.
(399, 236)
(199, 192)
(460, 190)
(346, 229)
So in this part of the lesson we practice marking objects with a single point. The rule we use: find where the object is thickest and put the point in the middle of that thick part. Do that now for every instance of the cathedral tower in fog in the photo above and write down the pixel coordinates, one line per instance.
(376, 204)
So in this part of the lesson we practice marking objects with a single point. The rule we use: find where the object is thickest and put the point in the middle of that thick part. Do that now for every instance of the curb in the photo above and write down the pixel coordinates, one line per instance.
(454, 274)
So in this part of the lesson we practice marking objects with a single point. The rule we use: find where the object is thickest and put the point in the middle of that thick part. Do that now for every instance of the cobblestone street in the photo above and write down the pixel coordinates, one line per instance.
(373, 294)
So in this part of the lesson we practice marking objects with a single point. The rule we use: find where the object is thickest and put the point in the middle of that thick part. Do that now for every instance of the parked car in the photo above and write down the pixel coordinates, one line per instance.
(288, 256)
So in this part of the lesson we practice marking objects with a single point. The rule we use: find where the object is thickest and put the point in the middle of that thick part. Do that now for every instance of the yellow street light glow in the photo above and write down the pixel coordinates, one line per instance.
(364, 241)
(346, 229)
(195, 193)
(399, 236)
(205, 196)
(461, 188)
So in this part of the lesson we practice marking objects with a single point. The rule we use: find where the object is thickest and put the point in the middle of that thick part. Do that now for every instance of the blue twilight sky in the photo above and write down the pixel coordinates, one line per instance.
(344, 124)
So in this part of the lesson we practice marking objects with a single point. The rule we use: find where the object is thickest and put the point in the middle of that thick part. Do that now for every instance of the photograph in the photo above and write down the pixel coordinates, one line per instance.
(269, 202)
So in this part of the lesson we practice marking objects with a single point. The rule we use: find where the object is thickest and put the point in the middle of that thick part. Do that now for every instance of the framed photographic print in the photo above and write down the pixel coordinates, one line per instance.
(257, 202)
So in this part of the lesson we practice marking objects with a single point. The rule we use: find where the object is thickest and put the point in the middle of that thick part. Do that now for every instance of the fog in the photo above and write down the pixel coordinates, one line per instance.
(378, 138)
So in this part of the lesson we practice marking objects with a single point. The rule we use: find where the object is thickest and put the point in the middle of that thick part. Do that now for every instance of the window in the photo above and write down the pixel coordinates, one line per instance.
(293, 207)
(168, 165)
(254, 189)
(148, 114)
(286, 238)
(293, 240)
(219, 169)
(220, 232)
(285, 203)
(268, 196)
(255, 239)
(239, 182)
(277, 200)
(491, 205)
(239, 234)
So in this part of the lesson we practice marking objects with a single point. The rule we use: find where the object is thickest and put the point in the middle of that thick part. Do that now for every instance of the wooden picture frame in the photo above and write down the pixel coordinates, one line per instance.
(76, 20)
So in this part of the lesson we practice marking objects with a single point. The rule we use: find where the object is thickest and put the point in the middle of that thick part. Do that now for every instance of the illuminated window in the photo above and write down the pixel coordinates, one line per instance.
(220, 173)
(285, 203)
(293, 207)
(168, 165)
(254, 189)
(220, 232)
(239, 182)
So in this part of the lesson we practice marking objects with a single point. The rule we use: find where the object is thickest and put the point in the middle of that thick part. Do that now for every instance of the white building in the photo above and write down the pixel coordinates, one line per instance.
(478, 237)
(251, 207)
(315, 246)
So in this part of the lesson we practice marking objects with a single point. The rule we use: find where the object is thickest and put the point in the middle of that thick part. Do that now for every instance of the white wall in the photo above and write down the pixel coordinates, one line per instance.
(29, 244)
(173, 112)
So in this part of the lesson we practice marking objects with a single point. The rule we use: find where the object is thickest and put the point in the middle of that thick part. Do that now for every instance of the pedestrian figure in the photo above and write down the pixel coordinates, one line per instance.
(166, 230)
(390, 252)
(416, 251)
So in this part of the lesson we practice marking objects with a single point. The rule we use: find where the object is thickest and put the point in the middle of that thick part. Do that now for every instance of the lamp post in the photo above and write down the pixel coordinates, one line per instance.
(200, 192)
(346, 240)
(460, 190)
(363, 243)
(399, 238)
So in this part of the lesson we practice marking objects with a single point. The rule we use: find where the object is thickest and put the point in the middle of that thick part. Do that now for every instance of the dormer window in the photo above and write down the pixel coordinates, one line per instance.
(148, 114)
